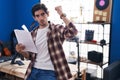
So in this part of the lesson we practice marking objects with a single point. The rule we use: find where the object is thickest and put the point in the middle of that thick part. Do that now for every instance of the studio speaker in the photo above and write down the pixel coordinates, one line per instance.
(102, 11)
(95, 56)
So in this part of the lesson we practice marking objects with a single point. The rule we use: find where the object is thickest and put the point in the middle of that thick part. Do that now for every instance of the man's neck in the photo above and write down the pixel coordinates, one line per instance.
(43, 26)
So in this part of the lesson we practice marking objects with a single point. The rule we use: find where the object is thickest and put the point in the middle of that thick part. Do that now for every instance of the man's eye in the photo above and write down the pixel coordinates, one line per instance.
(42, 14)
(37, 15)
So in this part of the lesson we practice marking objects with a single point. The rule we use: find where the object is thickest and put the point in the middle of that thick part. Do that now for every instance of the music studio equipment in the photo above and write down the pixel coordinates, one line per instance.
(95, 56)
(102, 11)
(13, 44)
(89, 34)
(33, 25)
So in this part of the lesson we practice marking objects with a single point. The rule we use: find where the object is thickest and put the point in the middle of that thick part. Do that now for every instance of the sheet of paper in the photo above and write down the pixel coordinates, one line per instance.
(25, 38)
(25, 28)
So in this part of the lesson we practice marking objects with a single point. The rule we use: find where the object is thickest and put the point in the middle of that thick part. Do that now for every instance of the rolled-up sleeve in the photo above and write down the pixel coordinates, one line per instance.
(70, 31)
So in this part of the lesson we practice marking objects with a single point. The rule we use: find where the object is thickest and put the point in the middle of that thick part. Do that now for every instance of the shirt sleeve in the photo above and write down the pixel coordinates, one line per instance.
(70, 31)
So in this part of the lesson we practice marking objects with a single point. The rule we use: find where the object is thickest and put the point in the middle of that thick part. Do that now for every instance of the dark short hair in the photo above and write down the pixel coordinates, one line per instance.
(39, 6)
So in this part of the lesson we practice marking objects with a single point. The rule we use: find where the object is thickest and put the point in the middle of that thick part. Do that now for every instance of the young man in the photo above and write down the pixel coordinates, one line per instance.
(50, 62)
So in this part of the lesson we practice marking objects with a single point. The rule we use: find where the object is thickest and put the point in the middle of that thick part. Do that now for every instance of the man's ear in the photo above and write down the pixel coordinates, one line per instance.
(48, 13)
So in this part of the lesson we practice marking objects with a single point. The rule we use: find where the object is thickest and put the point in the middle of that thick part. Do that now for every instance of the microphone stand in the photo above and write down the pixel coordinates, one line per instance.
(75, 39)
(78, 73)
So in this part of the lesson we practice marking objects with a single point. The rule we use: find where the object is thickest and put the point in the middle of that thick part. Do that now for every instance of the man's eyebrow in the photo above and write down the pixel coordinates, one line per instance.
(42, 14)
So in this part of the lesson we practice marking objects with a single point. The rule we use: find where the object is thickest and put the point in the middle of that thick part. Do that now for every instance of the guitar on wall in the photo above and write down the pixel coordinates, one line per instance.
(102, 4)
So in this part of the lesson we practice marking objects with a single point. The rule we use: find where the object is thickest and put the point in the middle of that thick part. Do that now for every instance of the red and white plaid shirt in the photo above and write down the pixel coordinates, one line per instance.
(56, 36)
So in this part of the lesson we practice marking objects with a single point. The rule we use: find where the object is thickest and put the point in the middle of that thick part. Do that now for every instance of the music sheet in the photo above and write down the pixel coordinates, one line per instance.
(25, 38)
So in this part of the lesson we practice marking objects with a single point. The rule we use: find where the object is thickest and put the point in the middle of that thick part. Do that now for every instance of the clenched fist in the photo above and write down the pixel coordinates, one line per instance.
(59, 10)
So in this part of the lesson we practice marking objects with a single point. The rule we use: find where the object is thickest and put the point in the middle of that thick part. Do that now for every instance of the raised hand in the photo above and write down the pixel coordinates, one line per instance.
(59, 10)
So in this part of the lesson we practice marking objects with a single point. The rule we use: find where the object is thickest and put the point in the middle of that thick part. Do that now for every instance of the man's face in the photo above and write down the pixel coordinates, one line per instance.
(41, 17)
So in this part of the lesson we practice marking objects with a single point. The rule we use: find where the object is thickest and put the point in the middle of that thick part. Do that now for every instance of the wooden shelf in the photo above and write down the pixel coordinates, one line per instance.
(92, 42)
(85, 60)
(89, 42)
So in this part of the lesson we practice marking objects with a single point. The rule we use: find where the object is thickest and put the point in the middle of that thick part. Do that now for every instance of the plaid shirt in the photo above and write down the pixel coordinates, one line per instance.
(56, 36)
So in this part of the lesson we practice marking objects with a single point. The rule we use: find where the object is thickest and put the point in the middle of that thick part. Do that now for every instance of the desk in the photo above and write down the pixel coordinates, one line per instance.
(14, 69)
(19, 71)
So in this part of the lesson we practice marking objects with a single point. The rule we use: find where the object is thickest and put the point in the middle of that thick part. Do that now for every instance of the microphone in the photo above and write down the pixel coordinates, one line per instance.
(32, 26)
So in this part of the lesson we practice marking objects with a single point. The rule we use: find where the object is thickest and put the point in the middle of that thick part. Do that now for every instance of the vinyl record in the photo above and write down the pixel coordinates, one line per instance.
(102, 4)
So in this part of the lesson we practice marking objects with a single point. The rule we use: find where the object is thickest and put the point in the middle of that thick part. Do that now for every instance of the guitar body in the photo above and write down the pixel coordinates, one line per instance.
(6, 51)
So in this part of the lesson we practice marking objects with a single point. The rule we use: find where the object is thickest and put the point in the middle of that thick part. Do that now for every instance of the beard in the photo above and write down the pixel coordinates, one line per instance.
(43, 23)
